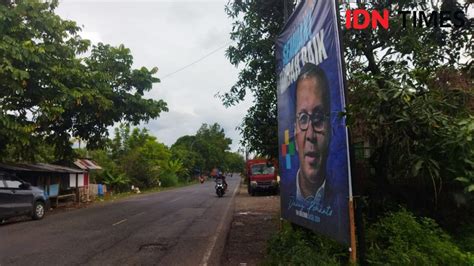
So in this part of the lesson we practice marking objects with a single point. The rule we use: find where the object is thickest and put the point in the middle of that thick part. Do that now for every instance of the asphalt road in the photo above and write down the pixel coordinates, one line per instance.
(185, 226)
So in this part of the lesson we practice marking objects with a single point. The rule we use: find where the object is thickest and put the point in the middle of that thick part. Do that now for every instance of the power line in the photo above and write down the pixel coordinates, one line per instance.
(200, 59)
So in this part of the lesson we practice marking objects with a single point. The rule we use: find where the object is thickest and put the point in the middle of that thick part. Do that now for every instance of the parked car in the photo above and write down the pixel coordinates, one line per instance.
(19, 198)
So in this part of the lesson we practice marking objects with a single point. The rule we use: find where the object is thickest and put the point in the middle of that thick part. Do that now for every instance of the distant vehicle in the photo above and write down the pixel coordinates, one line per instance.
(220, 187)
(261, 175)
(19, 198)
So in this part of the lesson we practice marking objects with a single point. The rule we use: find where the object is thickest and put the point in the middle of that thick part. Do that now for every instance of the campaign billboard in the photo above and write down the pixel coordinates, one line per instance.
(313, 139)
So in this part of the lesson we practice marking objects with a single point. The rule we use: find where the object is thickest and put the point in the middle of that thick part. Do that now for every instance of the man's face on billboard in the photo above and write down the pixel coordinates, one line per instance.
(312, 129)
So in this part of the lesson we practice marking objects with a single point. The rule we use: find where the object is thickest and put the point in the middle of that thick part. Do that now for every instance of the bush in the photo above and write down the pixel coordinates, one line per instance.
(168, 179)
(402, 239)
(465, 237)
(302, 247)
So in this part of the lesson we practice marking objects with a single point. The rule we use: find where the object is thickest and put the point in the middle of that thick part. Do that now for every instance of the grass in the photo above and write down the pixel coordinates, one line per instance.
(298, 246)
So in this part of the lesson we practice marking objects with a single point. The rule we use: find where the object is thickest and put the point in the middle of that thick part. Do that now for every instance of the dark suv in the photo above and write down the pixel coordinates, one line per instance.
(20, 198)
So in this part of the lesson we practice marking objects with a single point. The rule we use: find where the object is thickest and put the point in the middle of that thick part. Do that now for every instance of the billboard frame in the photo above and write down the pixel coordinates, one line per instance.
(349, 149)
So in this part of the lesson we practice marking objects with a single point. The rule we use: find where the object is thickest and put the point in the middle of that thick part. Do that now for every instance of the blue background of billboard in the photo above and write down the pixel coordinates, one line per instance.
(336, 226)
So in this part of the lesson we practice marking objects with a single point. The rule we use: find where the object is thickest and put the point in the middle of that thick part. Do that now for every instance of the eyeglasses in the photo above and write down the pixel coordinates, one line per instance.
(317, 120)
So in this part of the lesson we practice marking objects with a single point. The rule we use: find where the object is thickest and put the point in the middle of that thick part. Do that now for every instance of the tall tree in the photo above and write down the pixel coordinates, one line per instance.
(212, 145)
(185, 151)
(204, 150)
(234, 162)
(138, 155)
(255, 28)
(410, 91)
(51, 91)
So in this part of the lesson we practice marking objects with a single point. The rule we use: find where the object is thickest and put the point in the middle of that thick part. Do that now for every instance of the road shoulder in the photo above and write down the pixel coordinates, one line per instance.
(216, 248)
(255, 220)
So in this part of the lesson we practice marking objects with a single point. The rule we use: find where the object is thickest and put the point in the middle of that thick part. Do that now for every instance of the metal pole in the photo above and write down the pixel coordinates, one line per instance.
(353, 247)
(77, 187)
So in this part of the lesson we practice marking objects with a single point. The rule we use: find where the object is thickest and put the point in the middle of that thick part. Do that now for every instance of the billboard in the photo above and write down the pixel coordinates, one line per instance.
(313, 140)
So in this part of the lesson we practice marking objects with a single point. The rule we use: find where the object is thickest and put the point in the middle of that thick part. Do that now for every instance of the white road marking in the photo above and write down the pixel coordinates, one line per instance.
(119, 222)
(210, 248)
(176, 199)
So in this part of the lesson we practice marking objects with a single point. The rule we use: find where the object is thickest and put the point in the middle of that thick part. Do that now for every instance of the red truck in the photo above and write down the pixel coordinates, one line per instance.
(261, 175)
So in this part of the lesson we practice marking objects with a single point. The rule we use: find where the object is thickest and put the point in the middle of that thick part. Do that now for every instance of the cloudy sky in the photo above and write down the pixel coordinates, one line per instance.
(171, 35)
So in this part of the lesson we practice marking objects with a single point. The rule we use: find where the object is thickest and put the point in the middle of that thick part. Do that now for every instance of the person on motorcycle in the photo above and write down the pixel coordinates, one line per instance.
(216, 174)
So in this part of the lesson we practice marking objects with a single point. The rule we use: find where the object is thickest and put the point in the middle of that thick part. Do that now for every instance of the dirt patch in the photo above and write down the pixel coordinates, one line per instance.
(255, 220)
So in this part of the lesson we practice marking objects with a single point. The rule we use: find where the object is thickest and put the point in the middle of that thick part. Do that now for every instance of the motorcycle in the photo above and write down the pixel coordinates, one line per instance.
(220, 188)
(201, 179)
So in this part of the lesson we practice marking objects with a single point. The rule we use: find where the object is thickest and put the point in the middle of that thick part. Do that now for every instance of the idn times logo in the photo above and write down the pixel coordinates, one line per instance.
(362, 18)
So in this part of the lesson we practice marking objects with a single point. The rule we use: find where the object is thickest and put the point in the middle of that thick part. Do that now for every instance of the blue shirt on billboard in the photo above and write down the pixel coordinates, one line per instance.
(317, 198)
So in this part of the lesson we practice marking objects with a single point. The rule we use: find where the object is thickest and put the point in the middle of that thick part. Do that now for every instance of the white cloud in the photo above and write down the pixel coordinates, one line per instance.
(94, 37)
(170, 35)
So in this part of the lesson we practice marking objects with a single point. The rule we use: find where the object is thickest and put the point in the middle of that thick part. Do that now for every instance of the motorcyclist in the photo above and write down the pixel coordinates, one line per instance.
(216, 174)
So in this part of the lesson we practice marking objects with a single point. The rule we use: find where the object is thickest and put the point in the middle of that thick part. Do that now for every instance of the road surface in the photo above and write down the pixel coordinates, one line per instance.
(184, 226)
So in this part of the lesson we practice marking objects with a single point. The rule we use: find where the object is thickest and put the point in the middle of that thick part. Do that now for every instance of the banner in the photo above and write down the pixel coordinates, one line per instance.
(313, 141)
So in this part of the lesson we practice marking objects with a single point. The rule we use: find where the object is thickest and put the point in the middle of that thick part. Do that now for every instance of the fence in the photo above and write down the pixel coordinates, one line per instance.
(90, 192)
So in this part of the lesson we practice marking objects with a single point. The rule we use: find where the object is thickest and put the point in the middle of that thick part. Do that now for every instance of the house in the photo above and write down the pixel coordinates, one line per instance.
(88, 191)
(87, 166)
(57, 181)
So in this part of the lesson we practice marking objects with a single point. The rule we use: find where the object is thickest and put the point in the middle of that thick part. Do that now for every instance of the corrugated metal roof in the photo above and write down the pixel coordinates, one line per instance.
(38, 167)
(87, 164)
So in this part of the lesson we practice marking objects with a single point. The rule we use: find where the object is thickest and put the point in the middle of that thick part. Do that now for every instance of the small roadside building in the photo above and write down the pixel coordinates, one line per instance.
(86, 165)
(57, 181)
(87, 190)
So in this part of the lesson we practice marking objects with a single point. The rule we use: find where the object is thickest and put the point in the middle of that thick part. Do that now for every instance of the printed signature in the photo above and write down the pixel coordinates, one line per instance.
(310, 207)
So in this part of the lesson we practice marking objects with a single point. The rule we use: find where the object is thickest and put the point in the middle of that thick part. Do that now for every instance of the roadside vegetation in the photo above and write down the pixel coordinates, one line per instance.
(57, 88)
(411, 116)
(135, 157)
(55, 85)
(295, 245)
(398, 238)
(130, 193)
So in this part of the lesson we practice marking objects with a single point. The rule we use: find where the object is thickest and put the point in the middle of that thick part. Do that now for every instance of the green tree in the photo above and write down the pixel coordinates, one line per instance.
(50, 91)
(410, 95)
(174, 171)
(192, 162)
(409, 90)
(175, 166)
(185, 150)
(464, 136)
(104, 159)
(204, 150)
(211, 144)
(117, 182)
(255, 28)
(234, 162)
(145, 163)
(44, 152)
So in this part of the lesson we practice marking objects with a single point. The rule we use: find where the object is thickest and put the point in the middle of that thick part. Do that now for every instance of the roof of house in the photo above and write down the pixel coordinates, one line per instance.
(38, 167)
(87, 164)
